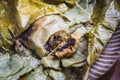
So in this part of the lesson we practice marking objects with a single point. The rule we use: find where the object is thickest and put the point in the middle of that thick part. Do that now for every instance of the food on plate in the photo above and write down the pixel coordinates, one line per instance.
(54, 39)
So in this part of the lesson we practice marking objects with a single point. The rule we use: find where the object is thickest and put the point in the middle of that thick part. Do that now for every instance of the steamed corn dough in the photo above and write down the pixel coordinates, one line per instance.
(53, 39)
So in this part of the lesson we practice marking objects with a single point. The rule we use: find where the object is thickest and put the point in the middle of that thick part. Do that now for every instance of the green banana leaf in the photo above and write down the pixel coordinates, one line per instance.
(81, 12)
(50, 63)
(43, 74)
(17, 15)
(27, 11)
(80, 56)
(37, 74)
(6, 26)
(69, 2)
(11, 25)
(105, 24)
(78, 11)
(12, 67)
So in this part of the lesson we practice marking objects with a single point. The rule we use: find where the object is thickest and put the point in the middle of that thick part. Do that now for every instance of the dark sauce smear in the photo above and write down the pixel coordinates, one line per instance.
(58, 38)
(69, 43)
(25, 34)
(51, 44)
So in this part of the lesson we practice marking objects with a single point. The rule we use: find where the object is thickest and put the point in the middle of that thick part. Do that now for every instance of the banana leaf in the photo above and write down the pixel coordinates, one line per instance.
(60, 22)
(24, 13)
(78, 59)
(37, 74)
(105, 25)
(42, 30)
(81, 12)
(117, 6)
(57, 75)
(70, 2)
(27, 11)
(44, 74)
(103, 15)
(50, 63)
(6, 25)
(80, 56)
(12, 67)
